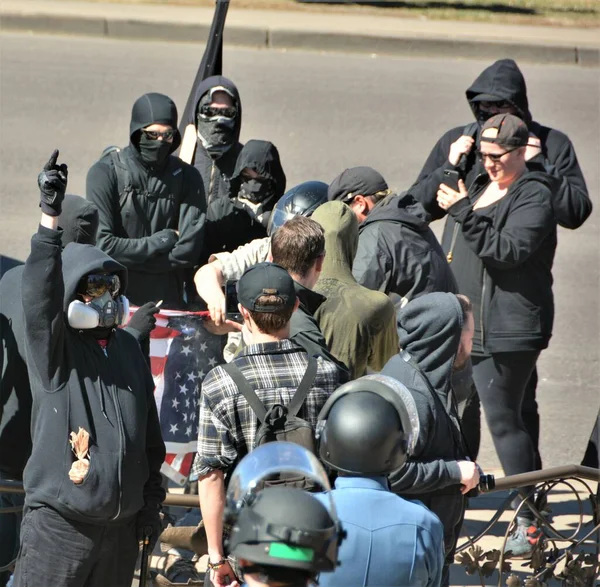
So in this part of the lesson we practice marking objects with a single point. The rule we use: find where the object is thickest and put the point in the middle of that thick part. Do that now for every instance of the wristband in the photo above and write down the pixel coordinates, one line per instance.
(217, 565)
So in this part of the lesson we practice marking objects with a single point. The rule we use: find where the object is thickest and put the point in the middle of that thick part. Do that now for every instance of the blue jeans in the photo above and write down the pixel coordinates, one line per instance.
(9, 529)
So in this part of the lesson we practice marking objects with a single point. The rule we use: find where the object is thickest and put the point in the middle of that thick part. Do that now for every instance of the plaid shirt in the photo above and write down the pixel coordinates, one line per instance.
(227, 425)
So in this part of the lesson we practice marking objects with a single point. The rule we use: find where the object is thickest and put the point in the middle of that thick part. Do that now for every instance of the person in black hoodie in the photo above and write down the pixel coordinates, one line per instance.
(501, 238)
(152, 205)
(501, 88)
(79, 223)
(435, 332)
(91, 388)
(397, 251)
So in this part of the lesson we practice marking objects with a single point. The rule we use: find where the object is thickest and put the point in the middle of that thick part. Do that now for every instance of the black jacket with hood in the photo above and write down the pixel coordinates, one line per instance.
(74, 383)
(142, 206)
(398, 253)
(79, 223)
(517, 249)
(240, 221)
(504, 80)
(430, 329)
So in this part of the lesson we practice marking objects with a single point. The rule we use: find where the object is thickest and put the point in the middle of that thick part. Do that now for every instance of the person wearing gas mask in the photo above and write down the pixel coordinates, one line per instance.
(152, 205)
(366, 430)
(436, 334)
(501, 89)
(92, 483)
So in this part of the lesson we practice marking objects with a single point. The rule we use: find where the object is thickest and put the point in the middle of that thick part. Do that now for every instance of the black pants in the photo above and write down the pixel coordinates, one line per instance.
(531, 416)
(64, 553)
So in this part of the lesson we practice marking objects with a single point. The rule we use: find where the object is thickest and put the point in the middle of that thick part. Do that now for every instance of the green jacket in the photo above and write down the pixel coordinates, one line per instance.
(359, 324)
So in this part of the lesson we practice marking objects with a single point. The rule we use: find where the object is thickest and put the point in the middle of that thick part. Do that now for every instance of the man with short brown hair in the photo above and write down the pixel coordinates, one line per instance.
(273, 365)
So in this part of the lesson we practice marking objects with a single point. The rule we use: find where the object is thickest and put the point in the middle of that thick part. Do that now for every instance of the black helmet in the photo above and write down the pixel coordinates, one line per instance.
(301, 200)
(368, 426)
(285, 527)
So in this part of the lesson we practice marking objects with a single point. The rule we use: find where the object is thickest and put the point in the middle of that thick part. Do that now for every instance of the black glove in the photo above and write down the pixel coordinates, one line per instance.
(165, 239)
(52, 182)
(144, 320)
(149, 523)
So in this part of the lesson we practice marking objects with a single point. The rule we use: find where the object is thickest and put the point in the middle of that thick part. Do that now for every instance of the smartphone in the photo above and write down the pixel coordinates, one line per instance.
(231, 300)
(451, 177)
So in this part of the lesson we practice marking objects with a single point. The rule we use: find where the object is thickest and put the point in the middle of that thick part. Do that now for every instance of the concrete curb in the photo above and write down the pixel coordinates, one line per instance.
(280, 37)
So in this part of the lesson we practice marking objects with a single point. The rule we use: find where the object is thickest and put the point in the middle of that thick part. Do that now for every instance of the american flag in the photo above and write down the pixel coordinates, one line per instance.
(182, 352)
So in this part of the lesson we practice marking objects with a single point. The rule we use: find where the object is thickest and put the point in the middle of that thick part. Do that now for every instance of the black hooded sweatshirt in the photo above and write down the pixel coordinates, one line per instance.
(79, 223)
(398, 253)
(74, 383)
(430, 328)
(143, 205)
(504, 81)
(238, 222)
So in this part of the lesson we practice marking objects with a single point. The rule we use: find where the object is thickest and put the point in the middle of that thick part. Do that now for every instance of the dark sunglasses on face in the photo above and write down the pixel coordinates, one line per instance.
(214, 111)
(95, 285)
(494, 158)
(499, 105)
(154, 135)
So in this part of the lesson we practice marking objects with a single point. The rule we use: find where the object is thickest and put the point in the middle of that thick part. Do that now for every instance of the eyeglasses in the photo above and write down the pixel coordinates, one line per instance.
(96, 284)
(154, 135)
(499, 105)
(494, 158)
(215, 111)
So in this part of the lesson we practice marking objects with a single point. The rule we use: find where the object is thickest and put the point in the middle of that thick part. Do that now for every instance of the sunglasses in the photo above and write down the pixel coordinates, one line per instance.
(94, 285)
(154, 135)
(494, 158)
(500, 105)
(214, 111)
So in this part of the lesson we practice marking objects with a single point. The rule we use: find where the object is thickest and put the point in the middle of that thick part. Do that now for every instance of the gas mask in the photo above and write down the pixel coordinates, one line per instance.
(102, 312)
(216, 127)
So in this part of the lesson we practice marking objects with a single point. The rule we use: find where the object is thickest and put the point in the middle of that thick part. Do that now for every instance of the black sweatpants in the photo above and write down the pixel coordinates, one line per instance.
(64, 553)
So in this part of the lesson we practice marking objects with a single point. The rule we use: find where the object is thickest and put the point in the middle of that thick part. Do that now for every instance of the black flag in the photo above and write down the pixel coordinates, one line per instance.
(211, 64)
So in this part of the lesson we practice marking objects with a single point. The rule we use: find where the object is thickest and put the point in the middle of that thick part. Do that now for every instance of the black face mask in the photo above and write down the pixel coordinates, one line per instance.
(154, 152)
(256, 191)
(217, 133)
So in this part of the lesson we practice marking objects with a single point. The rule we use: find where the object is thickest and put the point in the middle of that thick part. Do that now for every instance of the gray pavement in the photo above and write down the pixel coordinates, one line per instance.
(279, 29)
(325, 113)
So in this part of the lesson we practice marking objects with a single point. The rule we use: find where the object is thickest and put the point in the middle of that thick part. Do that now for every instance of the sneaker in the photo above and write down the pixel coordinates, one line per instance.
(523, 539)
(181, 572)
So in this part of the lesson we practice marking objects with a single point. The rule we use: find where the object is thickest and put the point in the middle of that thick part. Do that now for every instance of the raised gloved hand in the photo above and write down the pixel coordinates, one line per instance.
(144, 320)
(52, 182)
(149, 523)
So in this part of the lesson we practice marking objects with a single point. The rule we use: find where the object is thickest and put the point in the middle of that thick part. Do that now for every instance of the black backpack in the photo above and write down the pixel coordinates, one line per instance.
(281, 422)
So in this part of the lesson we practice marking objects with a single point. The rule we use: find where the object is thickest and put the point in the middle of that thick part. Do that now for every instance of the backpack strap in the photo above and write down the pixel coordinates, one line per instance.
(246, 390)
(122, 172)
(304, 387)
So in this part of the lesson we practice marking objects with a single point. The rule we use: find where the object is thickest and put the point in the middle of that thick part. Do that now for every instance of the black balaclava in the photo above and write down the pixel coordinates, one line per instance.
(218, 133)
(150, 109)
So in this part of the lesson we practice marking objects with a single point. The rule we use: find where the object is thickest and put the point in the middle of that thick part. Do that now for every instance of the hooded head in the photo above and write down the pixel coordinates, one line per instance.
(341, 237)
(258, 179)
(218, 115)
(430, 329)
(78, 220)
(153, 109)
(79, 261)
(500, 82)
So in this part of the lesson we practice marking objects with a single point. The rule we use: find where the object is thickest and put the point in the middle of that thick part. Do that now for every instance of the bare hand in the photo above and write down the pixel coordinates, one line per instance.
(534, 147)
(469, 476)
(224, 575)
(447, 197)
(461, 146)
(225, 327)
(208, 281)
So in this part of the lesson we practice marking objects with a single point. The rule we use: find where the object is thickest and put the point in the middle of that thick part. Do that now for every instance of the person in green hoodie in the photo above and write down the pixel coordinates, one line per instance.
(359, 324)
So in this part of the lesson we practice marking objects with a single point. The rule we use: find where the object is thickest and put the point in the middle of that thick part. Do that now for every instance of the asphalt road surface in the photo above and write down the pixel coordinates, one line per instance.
(325, 113)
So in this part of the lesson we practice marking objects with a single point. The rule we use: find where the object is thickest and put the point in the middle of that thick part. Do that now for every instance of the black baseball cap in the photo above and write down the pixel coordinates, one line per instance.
(354, 181)
(512, 131)
(266, 279)
(487, 98)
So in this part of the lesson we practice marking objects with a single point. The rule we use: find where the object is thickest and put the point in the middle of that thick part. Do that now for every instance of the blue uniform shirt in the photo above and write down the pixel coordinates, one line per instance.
(390, 541)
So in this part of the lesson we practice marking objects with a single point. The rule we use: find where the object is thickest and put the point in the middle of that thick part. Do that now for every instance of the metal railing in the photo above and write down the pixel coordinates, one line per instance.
(578, 568)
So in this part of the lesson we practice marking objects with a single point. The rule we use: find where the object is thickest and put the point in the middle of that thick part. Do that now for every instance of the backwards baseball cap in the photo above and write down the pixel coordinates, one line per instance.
(266, 279)
(511, 131)
(355, 181)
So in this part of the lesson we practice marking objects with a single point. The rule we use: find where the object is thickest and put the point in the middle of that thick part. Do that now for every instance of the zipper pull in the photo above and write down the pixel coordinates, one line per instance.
(449, 257)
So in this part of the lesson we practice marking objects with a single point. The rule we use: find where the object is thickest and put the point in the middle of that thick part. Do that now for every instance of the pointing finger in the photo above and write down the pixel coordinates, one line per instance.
(52, 161)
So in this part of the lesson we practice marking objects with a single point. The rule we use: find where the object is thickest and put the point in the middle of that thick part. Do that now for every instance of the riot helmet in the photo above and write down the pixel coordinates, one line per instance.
(281, 527)
(301, 200)
(368, 426)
